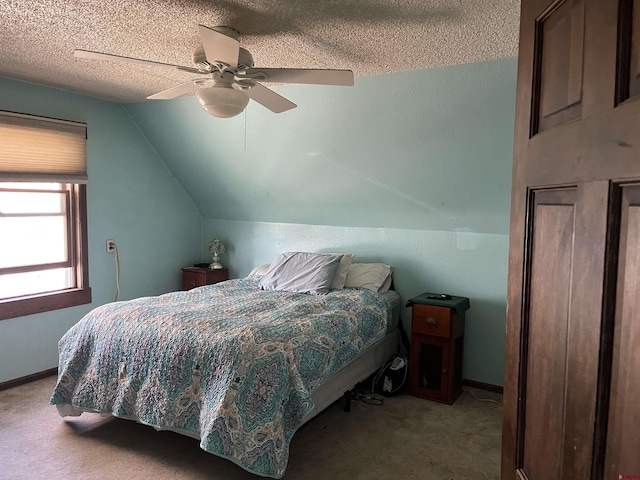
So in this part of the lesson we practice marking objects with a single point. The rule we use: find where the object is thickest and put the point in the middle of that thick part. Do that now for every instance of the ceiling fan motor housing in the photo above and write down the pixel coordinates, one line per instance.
(245, 59)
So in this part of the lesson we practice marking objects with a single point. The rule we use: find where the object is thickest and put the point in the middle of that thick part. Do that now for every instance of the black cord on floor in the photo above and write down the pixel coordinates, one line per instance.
(366, 397)
(490, 400)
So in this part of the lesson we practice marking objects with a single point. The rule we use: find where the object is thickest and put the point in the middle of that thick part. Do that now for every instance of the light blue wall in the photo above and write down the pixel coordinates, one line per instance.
(427, 150)
(411, 169)
(132, 198)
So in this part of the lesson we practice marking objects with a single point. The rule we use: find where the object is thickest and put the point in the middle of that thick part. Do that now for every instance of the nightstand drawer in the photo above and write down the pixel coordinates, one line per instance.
(431, 320)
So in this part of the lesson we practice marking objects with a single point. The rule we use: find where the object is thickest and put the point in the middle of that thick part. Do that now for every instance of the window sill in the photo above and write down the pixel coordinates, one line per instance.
(46, 302)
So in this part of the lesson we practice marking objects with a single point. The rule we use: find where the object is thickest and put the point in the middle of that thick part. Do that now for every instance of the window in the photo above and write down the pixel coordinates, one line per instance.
(43, 219)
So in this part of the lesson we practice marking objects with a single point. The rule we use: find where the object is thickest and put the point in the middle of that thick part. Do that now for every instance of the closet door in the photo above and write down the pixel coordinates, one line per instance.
(623, 435)
(571, 390)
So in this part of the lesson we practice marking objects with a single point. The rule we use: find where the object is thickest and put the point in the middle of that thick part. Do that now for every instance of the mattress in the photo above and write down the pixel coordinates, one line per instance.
(394, 300)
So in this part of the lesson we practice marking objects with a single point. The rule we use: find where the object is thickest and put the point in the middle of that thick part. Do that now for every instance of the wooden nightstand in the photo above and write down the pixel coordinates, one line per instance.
(197, 277)
(437, 343)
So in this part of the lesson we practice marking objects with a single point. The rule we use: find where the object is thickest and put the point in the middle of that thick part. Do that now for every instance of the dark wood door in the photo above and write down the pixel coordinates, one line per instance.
(572, 371)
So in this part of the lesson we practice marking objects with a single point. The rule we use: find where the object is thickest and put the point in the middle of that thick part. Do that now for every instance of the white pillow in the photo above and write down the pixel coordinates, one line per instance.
(372, 276)
(343, 269)
(338, 280)
(261, 270)
(301, 272)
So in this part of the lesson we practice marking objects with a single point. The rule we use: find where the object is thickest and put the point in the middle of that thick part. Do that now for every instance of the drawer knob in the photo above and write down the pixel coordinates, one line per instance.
(431, 320)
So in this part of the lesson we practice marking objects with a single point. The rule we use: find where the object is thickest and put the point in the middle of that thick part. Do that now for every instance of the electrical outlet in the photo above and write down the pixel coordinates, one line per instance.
(111, 246)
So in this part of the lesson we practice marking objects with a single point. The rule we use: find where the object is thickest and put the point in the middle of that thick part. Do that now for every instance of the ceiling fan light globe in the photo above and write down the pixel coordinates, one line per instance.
(222, 102)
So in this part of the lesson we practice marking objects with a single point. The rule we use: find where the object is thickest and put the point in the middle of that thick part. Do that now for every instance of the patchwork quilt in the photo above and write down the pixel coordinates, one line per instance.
(228, 363)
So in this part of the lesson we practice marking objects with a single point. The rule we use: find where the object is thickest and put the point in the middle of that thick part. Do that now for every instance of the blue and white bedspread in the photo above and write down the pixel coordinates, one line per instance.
(228, 363)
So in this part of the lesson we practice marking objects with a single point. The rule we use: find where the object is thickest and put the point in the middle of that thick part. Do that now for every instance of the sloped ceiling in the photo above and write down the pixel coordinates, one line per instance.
(423, 150)
(37, 37)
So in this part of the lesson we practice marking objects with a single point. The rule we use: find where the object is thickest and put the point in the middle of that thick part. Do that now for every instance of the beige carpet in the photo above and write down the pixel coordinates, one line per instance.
(406, 438)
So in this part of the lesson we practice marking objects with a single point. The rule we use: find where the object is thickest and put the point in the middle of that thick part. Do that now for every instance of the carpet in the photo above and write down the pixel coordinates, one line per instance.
(405, 438)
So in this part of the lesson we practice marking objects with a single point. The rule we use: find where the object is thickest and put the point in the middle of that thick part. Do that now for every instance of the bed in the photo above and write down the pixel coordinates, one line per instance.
(238, 365)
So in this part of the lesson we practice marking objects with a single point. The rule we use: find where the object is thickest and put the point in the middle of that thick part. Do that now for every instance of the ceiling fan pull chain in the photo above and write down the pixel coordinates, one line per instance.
(245, 130)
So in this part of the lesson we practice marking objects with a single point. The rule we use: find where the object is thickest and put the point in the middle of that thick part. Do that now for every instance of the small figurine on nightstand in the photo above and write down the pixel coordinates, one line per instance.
(217, 248)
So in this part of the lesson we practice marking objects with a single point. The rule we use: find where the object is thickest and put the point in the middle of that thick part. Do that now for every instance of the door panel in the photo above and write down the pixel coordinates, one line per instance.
(559, 52)
(561, 331)
(549, 306)
(633, 58)
(571, 405)
(623, 437)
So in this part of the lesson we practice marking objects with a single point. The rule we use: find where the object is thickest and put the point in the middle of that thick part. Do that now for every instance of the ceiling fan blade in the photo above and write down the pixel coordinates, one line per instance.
(117, 58)
(270, 99)
(219, 47)
(189, 87)
(301, 75)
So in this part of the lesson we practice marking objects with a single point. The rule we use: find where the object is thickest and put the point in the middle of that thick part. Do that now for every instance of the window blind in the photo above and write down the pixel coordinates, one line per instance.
(38, 149)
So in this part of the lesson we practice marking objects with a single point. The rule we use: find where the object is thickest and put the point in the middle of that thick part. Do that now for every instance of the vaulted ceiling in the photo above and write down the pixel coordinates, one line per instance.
(37, 37)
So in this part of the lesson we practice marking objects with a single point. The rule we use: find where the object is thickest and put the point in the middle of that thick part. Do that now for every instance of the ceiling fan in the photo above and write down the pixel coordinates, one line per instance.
(231, 77)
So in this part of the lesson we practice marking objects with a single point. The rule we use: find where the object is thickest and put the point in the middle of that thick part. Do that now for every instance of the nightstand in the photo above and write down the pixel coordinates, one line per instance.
(197, 277)
(437, 344)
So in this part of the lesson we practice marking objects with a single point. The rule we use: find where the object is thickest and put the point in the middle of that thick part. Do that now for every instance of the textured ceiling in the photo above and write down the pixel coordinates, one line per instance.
(37, 37)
